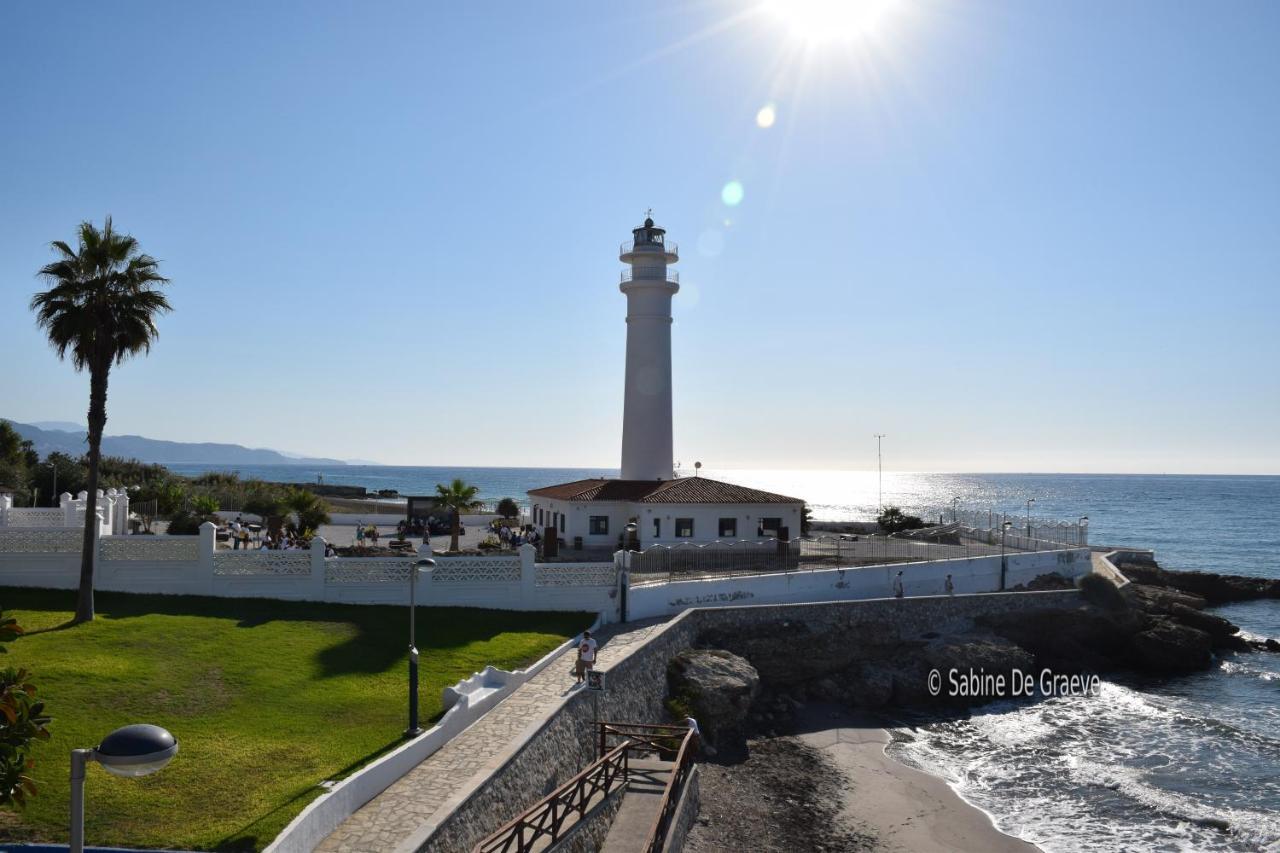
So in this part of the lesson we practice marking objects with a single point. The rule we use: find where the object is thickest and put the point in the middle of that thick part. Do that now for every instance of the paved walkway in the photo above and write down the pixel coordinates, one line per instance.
(412, 801)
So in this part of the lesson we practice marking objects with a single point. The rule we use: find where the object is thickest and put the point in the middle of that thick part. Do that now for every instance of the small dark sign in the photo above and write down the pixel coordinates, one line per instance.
(595, 680)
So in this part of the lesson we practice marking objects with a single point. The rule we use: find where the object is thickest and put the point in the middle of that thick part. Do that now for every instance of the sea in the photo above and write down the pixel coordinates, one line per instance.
(1188, 763)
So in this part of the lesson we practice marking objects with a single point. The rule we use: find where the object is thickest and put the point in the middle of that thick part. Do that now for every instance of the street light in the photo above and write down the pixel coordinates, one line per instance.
(1030, 501)
(422, 563)
(137, 750)
(954, 501)
(1080, 530)
(633, 540)
(1004, 534)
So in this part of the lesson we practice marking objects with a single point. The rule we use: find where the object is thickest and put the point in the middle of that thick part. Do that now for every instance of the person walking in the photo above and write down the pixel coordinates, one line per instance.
(897, 586)
(586, 655)
(951, 587)
(360, 534)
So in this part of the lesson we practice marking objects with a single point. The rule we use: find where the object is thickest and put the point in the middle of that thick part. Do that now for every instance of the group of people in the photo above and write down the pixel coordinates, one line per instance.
(247, 538)
(514, 537)
(365, 534)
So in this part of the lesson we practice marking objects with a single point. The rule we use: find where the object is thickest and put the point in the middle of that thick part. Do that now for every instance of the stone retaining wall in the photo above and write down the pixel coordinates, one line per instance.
(563, 744)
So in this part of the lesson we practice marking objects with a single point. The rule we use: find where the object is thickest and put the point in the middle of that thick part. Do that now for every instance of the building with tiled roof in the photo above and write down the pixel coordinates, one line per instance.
(666, 509)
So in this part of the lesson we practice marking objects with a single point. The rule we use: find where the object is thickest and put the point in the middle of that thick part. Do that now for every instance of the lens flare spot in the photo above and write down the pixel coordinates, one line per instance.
(767, 116)
(732, 193)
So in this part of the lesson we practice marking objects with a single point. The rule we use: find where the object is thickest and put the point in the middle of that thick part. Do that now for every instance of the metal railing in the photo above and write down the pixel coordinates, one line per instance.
(629, 246)
(647, 273)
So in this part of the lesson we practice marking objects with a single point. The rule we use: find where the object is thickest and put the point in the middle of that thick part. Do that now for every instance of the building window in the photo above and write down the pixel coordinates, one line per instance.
(657, 528)
(537, 515)
(684, 528)
(562, 522)
(728, 528)
(599, 525)
(769, 527)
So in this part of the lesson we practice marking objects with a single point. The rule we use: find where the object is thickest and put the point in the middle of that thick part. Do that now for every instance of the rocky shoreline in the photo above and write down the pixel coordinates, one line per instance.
(753, 690)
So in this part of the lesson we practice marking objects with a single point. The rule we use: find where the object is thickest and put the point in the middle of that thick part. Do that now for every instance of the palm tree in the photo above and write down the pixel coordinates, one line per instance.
(459, 497)
(101, 308)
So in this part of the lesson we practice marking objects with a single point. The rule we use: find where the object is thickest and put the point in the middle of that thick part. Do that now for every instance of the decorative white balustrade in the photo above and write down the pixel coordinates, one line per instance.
(276, 563)
(577, 574)
(367, 569)
(477, 570)
(156, 549)
(40, 540)
(34, 517)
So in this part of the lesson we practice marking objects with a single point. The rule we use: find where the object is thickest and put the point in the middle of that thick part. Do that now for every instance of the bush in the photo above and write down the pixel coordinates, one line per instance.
(184, 522)
(508, 508)
(22, 721)
(894, 520)
(1102, 592)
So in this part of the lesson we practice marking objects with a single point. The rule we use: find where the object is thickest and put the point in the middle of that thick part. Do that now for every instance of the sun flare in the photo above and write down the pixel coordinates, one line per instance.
(831, 20)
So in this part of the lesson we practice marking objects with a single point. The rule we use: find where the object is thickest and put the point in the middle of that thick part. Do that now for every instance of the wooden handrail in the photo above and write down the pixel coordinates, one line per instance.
(547, 816)
(662, 825)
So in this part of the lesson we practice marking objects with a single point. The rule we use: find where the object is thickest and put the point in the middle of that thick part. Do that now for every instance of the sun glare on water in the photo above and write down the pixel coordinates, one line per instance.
(831, 20)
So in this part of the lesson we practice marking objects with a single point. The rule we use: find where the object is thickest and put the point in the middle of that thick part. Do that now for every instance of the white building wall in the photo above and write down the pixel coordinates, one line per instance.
(706, 519)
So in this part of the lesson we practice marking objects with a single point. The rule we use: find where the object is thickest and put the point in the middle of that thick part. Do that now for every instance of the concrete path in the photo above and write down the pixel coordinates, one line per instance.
(411, 802)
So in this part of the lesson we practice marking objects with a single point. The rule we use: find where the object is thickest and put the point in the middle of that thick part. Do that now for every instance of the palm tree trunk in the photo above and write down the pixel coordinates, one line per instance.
(89, 546)
(456, 531)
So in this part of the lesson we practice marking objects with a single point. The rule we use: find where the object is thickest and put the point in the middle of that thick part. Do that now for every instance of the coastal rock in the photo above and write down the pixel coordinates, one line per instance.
(1158, 599)
(717, 686)
(1213, 587)
(964, 653)
(1168, 646)
(1052, 580)
(1215, 626)
(1081, 639)
(791, 653)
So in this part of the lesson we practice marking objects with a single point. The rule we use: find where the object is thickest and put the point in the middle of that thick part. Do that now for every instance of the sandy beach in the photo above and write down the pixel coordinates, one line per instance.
(904, 808)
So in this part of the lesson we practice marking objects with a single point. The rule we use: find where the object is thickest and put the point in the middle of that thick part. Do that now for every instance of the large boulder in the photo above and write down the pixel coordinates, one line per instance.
(1169, 646)
(1160, 599)
(1214, 587)
(716, 687)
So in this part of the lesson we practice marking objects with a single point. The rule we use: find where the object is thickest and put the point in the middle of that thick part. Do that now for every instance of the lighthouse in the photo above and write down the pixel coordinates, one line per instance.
(648, 504)
(648, 284)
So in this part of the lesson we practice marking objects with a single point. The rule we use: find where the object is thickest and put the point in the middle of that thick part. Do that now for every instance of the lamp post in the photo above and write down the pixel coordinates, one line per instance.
(1004, 565)
(954, 501)
(1030, 501)
(1081, 539)
(137, 750)
(422, 563)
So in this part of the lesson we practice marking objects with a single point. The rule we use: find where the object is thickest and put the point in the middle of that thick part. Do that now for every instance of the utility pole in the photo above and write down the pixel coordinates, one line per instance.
(880, 469)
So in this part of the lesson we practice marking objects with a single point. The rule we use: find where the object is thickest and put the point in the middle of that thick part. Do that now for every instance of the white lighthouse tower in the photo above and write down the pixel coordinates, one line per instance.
(646, 414)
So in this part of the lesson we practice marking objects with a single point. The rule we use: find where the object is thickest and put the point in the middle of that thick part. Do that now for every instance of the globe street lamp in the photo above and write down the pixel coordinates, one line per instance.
(954, 501)
(421, 564)
(1030, 501)
(137, 750)
(1081, 538)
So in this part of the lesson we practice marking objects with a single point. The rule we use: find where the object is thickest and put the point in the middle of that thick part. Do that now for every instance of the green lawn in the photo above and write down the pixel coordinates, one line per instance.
(266, 698)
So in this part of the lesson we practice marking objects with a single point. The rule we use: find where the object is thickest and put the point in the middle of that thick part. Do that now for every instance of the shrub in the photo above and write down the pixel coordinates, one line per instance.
(508, 508)
(1102, 592)
(894, 520)
(22, 721)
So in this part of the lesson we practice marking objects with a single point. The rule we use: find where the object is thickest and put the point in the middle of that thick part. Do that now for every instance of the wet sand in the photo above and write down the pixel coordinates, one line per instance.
(906, 809)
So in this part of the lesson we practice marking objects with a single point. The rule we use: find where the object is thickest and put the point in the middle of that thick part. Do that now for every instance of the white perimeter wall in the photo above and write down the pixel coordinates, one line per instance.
(973, 574)
(190, 565)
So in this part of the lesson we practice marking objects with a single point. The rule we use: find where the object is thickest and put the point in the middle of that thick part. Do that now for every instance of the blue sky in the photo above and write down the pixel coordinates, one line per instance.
(1012, 236)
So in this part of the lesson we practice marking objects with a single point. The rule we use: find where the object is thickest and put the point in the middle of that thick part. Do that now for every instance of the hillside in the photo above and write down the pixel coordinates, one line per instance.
(155, 450)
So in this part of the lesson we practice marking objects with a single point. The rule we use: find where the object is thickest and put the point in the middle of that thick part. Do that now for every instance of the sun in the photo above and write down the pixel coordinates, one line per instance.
(831, 20)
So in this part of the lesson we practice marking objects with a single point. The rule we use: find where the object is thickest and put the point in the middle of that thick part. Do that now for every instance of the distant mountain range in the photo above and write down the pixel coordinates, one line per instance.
(48, 436)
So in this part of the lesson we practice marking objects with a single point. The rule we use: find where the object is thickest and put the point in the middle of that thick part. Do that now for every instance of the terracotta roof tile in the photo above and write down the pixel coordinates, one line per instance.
(685, 490)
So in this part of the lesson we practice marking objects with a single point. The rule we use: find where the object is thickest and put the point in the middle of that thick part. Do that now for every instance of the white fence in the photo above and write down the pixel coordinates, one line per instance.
(112, 509)
(968, 575)
(191, 565)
